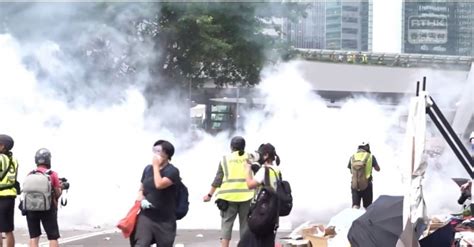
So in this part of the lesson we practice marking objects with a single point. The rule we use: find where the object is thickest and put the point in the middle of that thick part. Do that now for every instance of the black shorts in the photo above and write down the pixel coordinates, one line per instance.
(49, 219)
(366, 196)
(7, 212)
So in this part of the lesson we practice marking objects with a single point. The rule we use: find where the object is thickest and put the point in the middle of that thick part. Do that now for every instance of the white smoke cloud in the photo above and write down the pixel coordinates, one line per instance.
(102, 147)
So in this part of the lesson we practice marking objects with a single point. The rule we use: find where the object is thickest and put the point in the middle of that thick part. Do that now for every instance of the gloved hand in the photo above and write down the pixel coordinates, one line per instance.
(145, 204)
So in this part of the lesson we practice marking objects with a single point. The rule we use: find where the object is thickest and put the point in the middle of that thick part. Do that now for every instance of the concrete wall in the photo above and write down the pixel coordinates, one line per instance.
(377, 79)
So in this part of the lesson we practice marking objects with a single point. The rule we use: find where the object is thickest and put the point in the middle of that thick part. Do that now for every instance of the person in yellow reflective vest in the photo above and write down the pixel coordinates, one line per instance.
(233, 195)
(361, 187)
(8, 189)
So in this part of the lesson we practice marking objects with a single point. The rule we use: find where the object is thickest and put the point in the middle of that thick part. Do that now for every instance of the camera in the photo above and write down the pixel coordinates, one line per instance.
(254, 157)
(64, 183)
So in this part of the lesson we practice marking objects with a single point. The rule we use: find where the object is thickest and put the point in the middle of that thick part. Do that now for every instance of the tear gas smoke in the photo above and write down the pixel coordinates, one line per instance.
(101, 142)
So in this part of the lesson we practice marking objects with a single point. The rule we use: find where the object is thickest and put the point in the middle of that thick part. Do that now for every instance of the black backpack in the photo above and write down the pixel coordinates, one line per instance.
(263, 216)
(284, 194)
(182, 200)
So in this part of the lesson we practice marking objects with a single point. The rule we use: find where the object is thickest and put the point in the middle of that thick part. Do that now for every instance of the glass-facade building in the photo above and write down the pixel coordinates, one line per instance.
(334, 24)
(309, 31)
(438, 27)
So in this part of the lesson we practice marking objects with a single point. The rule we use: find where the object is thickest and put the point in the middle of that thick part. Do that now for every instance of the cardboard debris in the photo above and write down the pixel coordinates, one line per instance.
(296, 243)
(318, 235)
(313, 235)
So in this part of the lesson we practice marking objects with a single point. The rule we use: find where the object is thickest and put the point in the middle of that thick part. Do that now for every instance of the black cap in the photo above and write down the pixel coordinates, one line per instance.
(237, 143)
(7, 141)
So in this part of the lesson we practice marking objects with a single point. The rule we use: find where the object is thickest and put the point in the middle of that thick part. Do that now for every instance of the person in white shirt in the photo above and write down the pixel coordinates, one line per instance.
(269, 159)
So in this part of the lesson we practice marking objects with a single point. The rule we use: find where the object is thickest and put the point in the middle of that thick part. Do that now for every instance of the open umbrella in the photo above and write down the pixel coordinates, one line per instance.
(381, 225)
(460, 181)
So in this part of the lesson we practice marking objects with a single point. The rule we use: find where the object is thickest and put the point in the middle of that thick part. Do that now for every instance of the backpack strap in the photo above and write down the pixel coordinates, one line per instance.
(10, 164)
(64, 200)
(266, 180)
(277, 174)
(5, 172)
(47, 172)
(366, 158)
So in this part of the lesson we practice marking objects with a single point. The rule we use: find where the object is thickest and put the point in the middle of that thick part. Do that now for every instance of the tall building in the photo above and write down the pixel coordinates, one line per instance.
(334, 24)
(438, 27)
(309, 31)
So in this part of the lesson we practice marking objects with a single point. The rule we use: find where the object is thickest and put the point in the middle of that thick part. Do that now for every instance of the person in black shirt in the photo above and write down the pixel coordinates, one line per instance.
(157, 220)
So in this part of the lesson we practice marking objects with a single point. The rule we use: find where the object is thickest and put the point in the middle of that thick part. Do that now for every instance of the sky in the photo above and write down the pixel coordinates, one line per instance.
(387, 26)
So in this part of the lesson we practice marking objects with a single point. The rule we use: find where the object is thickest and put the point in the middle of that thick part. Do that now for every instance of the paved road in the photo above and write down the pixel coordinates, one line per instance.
(185, 238)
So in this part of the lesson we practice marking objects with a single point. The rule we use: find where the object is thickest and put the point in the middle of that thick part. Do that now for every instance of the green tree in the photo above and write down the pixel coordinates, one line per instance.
(227, 43)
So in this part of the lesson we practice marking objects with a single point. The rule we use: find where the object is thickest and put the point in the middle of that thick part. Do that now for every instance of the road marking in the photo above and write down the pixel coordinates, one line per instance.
(79, 237)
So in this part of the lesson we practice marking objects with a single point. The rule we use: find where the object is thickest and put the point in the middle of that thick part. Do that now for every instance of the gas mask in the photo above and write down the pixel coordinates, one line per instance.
(256, 160)
(256, 157)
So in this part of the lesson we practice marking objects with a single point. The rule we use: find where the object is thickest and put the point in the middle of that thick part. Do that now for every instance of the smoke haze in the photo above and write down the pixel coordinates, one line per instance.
(101, 134)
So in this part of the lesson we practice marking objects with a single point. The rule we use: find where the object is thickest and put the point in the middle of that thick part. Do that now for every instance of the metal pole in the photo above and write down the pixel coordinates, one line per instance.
(237, 109)
(417, 88)
(450, 130)
(439, 125)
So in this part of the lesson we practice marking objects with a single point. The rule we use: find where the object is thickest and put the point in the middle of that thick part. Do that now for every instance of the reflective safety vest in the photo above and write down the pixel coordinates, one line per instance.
(364, 59)
(272, 175)
(234, 186)
(8, 175)
(362, 155)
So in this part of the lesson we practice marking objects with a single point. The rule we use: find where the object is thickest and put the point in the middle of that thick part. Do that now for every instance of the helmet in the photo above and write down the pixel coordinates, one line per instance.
(43, 157)
(237, 143)
(7, 141)
(365, 145)
(472, 136)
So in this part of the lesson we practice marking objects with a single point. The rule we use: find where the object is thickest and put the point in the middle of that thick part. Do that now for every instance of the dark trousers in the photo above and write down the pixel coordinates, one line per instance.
(365, 195)
(7, 212)
(148, 232)
(249, 239)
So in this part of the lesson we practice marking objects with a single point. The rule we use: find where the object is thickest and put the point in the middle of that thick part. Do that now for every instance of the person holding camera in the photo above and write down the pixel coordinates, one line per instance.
(44, 181)
(8, 189)
(233, 196)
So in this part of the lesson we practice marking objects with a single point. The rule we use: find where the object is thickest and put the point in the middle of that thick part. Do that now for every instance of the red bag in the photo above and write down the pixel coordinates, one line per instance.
(127, 224)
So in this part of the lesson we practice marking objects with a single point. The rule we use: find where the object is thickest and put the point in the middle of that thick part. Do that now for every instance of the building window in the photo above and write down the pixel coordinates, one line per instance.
(333, 18)
(333, 44)
(334, 26)
(350, 30)
(350, 19)
(333, 35)
(333, 11)
(350, 8)
(349, 44)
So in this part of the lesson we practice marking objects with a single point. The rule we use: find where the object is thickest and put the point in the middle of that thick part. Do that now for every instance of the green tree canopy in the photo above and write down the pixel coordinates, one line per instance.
(227, 43)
